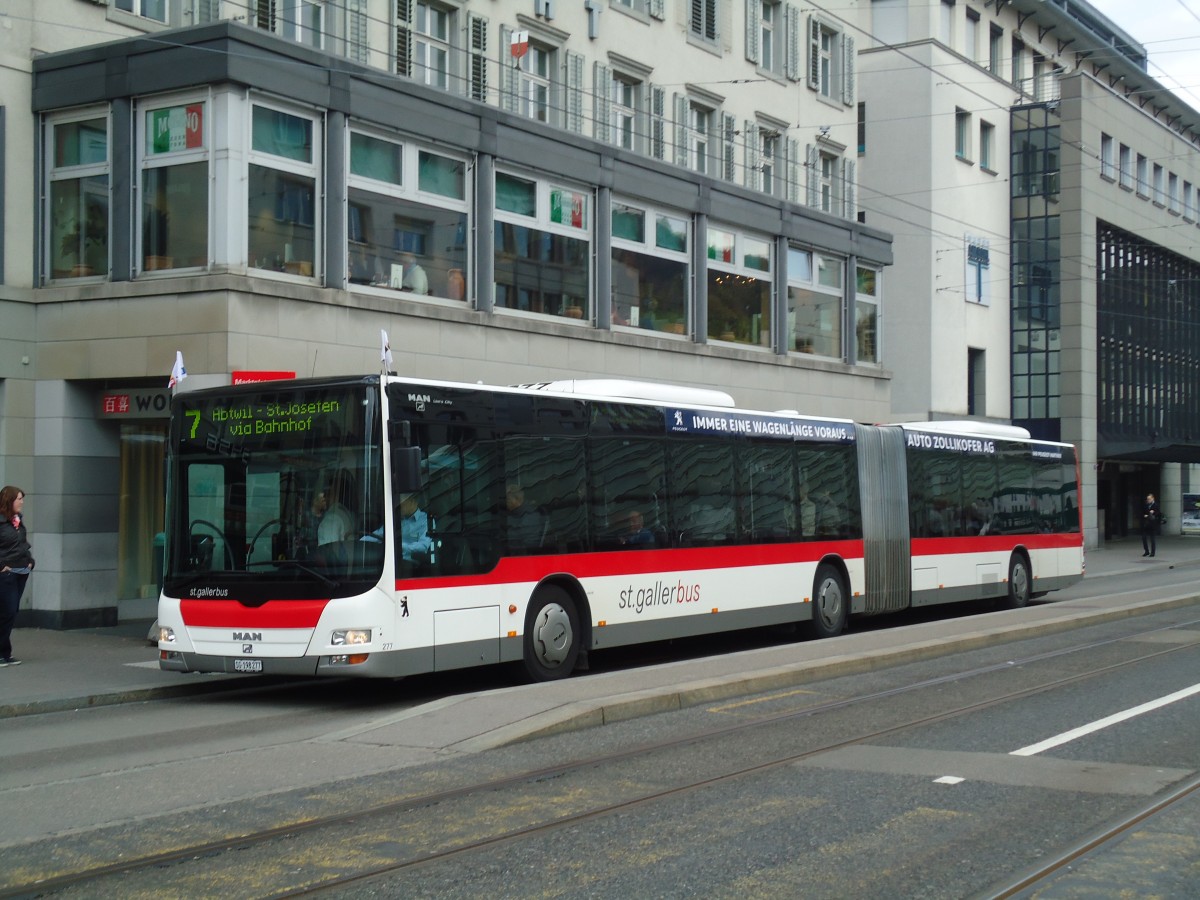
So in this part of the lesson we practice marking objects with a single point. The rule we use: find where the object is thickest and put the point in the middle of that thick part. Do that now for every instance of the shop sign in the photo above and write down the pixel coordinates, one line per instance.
(176, 128)
(135, 403)
(253, 377)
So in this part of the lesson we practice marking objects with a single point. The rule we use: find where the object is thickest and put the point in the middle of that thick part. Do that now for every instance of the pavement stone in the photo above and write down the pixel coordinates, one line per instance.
(66, 670)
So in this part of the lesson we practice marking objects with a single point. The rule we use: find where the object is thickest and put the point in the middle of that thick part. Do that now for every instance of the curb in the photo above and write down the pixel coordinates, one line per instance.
(580, 714)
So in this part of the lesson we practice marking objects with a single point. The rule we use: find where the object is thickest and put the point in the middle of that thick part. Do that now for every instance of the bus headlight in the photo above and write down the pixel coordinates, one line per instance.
(166, 635)
(351, 636)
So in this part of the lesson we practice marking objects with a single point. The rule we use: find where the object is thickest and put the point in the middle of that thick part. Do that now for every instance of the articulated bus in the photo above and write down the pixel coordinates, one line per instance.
(380, 526)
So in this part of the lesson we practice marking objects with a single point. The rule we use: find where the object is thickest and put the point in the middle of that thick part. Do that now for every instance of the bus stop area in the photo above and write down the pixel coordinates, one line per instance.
(70, 670)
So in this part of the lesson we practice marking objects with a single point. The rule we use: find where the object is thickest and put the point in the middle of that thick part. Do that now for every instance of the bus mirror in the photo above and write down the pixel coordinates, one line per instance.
(406, 469)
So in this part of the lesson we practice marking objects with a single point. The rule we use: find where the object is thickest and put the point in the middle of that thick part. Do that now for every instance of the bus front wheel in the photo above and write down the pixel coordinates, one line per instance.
(1019, 583)
(552, 635)
(828, 603)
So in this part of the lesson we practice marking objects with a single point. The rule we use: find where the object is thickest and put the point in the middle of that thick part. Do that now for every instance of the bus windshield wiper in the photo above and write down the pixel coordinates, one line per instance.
(296, 564)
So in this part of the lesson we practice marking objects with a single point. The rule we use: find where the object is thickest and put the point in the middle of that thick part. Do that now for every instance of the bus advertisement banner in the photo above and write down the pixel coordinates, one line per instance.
(731, 423)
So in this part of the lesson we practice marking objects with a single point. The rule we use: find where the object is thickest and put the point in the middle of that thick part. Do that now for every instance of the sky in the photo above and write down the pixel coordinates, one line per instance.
(1170, 32)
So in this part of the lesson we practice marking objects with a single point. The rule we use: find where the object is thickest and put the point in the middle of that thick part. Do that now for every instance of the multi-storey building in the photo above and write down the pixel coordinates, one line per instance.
(514, 191)
(1044, 195)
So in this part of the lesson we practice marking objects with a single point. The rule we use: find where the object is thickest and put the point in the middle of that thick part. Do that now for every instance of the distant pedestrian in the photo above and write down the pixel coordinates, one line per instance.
(16, 562)
(1151, 518)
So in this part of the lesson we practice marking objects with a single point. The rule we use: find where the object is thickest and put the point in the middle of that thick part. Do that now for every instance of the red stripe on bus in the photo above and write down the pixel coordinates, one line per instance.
(231, 614)
(992, 543)
(524, 569)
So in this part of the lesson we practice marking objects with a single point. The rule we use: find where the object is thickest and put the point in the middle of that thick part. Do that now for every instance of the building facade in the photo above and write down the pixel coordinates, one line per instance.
(513, 192)
(1044, 194)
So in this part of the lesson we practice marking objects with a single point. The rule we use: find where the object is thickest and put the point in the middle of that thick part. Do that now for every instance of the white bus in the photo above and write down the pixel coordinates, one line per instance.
(381, 526)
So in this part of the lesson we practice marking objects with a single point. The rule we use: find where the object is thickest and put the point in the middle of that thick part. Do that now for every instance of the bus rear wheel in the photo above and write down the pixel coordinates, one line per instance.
(828, 603)
(1018, 583)
(552, 635)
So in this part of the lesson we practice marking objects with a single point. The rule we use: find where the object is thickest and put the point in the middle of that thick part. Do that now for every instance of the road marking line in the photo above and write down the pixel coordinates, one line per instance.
(949, 779)
(1082, 730)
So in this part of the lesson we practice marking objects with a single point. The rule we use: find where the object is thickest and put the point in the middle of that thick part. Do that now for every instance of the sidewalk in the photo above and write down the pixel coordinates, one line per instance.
(65, 670)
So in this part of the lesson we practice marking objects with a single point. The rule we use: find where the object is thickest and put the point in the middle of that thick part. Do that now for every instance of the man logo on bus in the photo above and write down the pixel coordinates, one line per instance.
(247, 635)
(247, 648)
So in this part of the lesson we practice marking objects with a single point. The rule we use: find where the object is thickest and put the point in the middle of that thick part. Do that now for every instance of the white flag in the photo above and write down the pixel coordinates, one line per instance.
(385, 355)
(178, 372)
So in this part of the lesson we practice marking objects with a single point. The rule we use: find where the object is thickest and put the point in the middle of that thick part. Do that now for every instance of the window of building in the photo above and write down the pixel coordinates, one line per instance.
(543, 247)
(946, 23)
(765, 34)
(866, 316)
(1160, 195)
(533, 83)
(814, 303)
(304, 22)
(698, 123)
(147, 9)
(889, 21)
(739, 287)
(650, 268)
(78, 170)
(1173, 193)
(1125, 163)
(768, 152)
(626, 93)
(406, 218)
(830, 61)
(962, 134)
(173, 215)
(828, 183)
(971, 36)
(431, 31)
(1189, 202)
(1108, 166)
(862, 128)
(1018, 63)
(1143, 176)
(637, 6)
(702, 19)
(995, 49)
(283, 227)
(976, 381)
(987, 146)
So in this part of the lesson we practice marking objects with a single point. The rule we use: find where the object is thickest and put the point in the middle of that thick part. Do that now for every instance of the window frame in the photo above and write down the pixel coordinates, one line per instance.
(168, 159)
(79, 172)
(543, 221)
(314, 170)
(650, 247)
(409, 191)
(738, 250)
(864, 300)
(813, 283)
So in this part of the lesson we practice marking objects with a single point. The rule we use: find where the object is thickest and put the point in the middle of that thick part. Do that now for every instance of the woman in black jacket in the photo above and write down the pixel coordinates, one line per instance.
(16, 562)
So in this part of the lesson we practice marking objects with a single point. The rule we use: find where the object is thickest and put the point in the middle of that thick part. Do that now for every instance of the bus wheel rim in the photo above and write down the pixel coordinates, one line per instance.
(552, 635)
(829, 605)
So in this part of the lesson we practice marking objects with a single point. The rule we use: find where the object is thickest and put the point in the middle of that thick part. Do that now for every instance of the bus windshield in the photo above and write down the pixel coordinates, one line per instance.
(275, 491)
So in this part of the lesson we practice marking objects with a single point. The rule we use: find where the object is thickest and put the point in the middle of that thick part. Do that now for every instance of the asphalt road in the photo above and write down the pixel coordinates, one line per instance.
(941, 808)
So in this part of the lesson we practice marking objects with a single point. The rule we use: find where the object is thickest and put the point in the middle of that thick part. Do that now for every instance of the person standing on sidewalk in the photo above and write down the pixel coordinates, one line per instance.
(16, 562)
(1150, 519)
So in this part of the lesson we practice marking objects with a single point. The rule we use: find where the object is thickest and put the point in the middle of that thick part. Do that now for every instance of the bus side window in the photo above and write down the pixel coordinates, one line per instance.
(627, 475)
(703, 496)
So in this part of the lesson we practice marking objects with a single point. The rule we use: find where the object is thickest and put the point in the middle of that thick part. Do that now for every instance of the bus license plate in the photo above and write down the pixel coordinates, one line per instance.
(247, 665)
